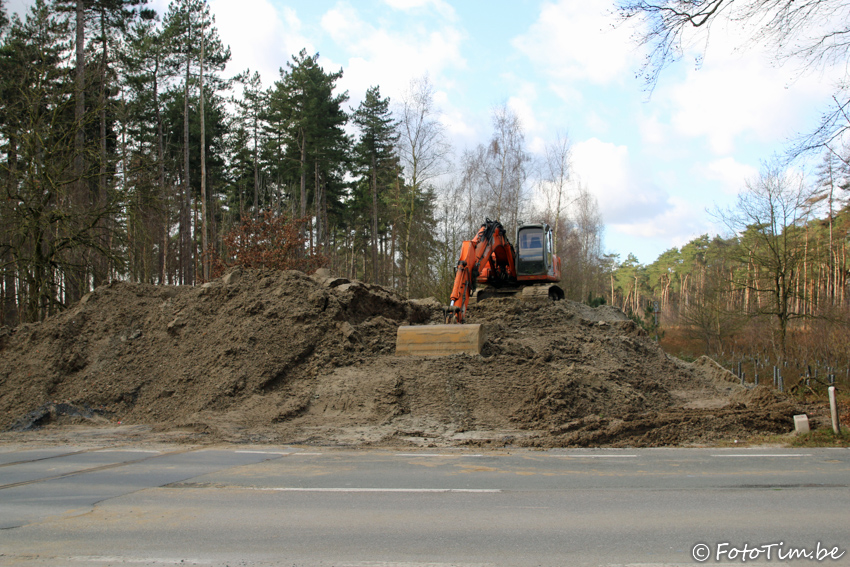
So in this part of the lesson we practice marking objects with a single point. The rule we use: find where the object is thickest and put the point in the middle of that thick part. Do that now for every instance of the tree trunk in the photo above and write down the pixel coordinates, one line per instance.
(74, 285)
(317, 205)
(185, 219)
(160, 157)
(303, 175)
(99, 268)
(256, 168)
(374, 221)
(9, 314)
(79, 90)
(407, 264)
(393, 239)
(204, 233)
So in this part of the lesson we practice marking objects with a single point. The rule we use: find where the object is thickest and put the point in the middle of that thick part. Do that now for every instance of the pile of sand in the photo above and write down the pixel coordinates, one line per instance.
(285, 357)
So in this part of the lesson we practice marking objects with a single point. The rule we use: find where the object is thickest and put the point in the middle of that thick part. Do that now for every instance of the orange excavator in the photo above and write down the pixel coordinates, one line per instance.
(489, 266)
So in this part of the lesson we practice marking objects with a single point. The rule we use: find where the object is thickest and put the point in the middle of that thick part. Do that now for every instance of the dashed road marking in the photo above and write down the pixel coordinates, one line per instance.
(580, 456)
(126, 559)
(412, 564)
(434, 455)
(282, 453)
(263, 452)
(127, 451)
(348, 489)
(765, 455)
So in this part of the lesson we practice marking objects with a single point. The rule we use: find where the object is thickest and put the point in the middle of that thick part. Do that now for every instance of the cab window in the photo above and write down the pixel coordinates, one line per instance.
(531, 244)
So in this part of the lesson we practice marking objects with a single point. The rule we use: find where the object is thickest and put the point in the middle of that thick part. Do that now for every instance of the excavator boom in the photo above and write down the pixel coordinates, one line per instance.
(488, 252)
(489, 258)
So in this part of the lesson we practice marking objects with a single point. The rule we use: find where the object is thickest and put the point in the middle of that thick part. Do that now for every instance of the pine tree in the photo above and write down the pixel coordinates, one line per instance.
(4, 18)
(251, 114)
(375, 156)
(47, 232)
(304, 100)
(144, 75)
(110, 19)
(197, 50)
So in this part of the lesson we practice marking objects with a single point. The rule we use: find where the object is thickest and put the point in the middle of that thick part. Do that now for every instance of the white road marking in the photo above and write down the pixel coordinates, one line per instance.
(579, 456)
(285, 453)
(438, 490)
(765, 455)
(125, 559)
(263, 452)
(126, 451)
(411, 564)
(665, 564)
(434, 455)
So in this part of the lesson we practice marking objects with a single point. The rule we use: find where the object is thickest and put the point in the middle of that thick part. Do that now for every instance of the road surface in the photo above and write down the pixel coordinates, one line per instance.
(232, 506)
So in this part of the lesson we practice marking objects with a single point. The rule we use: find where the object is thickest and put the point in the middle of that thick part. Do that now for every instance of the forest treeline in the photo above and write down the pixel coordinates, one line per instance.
(775, 290)
(127, 153)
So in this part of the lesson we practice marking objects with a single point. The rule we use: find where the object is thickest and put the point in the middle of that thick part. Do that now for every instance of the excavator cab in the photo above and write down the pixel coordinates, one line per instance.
(534, 254)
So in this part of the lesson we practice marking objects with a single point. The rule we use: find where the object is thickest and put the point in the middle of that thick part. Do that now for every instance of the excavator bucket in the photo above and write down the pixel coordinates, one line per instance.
(439, 340)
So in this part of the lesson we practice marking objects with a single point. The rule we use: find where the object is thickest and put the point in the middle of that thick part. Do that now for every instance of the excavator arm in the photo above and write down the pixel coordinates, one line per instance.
(489, 259)
(489, 252)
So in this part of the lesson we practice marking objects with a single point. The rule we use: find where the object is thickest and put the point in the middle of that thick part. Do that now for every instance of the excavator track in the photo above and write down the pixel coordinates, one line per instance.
(526, 292)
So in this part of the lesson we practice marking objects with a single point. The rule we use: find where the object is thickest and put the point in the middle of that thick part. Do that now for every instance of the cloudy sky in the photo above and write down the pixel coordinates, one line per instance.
(655, 163)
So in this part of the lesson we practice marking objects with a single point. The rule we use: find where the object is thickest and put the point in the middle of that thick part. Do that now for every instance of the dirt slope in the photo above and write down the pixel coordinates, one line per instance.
(284, 357)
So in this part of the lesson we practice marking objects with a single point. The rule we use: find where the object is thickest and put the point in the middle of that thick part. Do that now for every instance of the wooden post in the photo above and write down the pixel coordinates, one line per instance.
(833, 411)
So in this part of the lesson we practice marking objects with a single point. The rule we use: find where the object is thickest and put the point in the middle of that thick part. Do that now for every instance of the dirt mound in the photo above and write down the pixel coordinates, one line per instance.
(53, 413)
(285, 357)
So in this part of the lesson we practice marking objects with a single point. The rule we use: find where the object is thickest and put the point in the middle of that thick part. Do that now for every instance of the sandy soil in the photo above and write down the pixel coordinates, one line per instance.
(282, 357)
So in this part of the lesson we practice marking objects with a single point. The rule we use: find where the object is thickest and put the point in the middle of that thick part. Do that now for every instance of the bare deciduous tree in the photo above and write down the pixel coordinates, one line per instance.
(423, 151)
(497, 173)
(555, 185)
(814, 33)
(770, 217)
(590, 229)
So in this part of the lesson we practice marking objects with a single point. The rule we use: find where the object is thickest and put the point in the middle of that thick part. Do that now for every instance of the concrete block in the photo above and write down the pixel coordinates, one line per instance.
(801, 424)
(439, 340)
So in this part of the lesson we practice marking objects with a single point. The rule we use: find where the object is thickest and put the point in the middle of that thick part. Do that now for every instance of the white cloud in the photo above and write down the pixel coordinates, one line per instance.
(260, 37)
(596, 123)
(578, 41)
(739, 93)
(458, 127)
(443, 8)
(161, 6)
(390, 56)
(729, 173)
(522, 106)
(343, 23)
(625, 193)
(640, 216)
(652, 130)
(676, 225)
(723, 102)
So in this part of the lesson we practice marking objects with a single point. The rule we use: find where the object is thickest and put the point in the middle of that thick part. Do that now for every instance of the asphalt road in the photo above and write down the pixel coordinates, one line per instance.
(297, 506)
